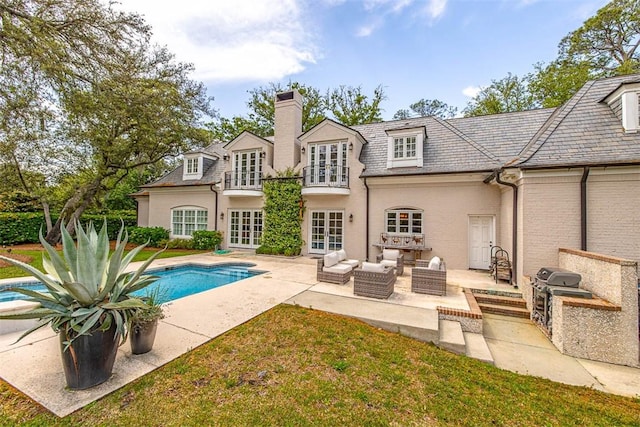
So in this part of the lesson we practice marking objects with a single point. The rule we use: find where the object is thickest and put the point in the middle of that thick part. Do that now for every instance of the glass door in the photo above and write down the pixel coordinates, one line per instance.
(245, 228)
(327, 231)
(328, 164)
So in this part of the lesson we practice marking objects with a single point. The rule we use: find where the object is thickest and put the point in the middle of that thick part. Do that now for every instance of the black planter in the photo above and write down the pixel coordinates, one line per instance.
(89, 360)
(142, 336)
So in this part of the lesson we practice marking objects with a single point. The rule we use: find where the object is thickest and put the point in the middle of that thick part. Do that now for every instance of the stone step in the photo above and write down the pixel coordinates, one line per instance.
(452, 337)
(477, 347)
(504, 310)
(500, 300)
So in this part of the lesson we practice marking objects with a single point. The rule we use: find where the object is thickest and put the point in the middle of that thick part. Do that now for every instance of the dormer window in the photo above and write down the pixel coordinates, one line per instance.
(624, 104)
(404, 148)
(192, 167)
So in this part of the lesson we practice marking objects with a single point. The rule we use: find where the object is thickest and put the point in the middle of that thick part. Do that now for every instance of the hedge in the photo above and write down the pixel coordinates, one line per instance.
(17, 228)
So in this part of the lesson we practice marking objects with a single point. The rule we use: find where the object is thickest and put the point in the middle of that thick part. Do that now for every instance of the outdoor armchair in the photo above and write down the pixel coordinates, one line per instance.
(374, 280)
(393, 258)
(429, 277)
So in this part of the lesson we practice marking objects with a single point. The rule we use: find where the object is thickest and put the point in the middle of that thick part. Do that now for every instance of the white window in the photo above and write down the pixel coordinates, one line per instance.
(186, 220)
(404, 221)
(192, 167)
(405, 148)
(247, 169)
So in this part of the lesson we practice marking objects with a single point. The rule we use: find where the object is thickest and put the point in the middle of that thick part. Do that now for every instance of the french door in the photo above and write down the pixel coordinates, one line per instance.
(247, 169)
(327, 231)
(328, 164)
(245, 228)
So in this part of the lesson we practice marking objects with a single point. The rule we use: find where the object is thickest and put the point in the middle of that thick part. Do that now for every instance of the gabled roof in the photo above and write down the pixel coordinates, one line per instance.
(584, 131)
(247, 132)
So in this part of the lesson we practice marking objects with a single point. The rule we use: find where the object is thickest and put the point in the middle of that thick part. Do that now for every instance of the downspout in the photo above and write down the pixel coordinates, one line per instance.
(514, 231)
(366, 218)
(583, 208)
(211, 187)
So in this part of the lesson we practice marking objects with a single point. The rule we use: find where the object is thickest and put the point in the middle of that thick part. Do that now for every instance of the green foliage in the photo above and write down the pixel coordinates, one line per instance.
(152, 309)
(206, 239)
(177, 243)
(508, 94)
(282, 214)
(427, 107)
(87, 289)
(152, 235)
(19, 201)
(351, 107)
(554, 84)
(17, 228)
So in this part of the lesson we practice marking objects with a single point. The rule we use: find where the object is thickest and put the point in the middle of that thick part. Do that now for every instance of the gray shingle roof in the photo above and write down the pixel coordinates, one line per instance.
(455, 145)
(211, 171)
(584, 131)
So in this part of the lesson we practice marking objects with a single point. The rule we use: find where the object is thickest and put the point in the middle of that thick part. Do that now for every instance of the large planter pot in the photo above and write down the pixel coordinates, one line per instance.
(89, 360)
(142, 336)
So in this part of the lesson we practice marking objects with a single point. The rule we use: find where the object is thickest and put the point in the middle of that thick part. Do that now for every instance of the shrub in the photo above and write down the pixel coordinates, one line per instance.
(206, 240)
(17, 228)
(264, 250)
(154, 235)
(283, 208)
(177, 243)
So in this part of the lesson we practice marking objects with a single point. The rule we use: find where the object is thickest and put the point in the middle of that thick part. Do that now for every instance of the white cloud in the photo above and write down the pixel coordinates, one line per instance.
(471, 91)
(232, 41)
(435, 8)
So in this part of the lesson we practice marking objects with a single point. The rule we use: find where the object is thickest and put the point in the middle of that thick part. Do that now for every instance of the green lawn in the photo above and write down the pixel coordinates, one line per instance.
(36, 255)
(293, 366)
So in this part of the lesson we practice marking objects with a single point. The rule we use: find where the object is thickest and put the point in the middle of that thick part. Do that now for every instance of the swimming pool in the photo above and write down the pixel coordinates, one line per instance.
(173, 283)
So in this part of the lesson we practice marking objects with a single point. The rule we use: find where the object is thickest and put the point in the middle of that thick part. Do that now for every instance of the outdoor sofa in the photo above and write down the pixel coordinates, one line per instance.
(335, 267)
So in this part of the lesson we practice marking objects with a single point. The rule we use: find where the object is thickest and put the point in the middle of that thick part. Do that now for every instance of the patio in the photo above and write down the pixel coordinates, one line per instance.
(33, 365)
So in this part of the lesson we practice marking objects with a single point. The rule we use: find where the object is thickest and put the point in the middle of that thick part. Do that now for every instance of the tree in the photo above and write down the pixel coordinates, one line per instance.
(554, 84)
(260, 119)
(428, 107)
(608, 41)
(351, 107)
(502, 96)
(137, 115)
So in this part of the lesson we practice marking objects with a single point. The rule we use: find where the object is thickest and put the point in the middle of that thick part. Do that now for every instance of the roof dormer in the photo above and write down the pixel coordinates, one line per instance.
(624, 102)
(405, 147)
(193, 166)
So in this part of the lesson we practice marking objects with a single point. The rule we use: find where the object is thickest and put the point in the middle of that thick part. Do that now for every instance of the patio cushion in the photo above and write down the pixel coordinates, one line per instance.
(434, 264)
(390, 254)
(354, 263)
(342, 255)
(373, 267)
(331, 259)
(337, 268)
(389, 263)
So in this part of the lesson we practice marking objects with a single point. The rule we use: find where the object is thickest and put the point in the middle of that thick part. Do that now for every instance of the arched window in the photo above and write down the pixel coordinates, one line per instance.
(187, 219)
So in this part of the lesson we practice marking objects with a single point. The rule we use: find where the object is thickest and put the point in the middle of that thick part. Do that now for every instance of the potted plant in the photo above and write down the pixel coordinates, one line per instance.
(88, 301)
(144, 323)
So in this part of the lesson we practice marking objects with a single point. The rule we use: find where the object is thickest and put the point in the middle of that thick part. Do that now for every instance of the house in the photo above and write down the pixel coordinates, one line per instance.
(530, 182)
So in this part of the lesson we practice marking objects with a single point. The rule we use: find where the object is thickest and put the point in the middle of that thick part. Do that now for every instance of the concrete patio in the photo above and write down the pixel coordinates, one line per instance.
(33, 365)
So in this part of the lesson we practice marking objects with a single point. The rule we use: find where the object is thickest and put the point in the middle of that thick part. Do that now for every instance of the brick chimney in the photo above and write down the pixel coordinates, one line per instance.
(288, 127)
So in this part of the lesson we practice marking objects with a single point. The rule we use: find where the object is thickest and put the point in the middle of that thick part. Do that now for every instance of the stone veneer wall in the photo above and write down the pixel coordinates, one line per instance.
(606, 327)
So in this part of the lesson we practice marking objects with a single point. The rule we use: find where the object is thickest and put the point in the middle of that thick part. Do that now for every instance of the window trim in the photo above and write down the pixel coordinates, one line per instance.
(190, 161)
(198, 225)
(412, 161)
(410, 221)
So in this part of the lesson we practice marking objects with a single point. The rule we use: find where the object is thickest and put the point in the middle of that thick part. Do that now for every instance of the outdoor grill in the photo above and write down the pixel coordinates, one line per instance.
(550, 282)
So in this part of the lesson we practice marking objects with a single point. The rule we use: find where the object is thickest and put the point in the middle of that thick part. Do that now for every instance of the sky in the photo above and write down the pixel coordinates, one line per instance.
(432, 49)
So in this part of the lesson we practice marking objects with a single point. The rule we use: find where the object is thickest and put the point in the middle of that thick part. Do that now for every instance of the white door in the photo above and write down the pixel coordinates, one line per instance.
(245, 228)
(328, 164)
(327, 231)
(481, 238)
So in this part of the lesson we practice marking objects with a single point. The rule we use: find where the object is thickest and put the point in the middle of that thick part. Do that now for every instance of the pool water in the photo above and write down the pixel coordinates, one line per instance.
(173, 283)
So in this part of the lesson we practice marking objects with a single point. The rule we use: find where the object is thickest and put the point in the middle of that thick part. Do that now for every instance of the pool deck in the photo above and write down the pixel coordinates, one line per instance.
(33, 365)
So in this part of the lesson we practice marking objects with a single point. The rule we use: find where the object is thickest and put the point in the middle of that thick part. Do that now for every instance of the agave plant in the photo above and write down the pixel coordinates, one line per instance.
(88, 290)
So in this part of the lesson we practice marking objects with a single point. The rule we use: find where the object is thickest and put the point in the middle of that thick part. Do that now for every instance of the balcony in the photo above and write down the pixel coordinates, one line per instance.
(242, 184)
(325, 180)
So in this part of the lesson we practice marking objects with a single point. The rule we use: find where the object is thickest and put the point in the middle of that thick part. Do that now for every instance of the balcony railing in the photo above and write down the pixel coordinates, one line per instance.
(243, 180)
(326, 176)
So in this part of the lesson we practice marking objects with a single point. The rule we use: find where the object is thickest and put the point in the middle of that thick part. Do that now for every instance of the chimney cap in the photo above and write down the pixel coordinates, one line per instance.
(284, 96)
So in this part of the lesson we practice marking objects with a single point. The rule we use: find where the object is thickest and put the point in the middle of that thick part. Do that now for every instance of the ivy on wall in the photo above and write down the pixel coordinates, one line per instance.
(283, 209)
